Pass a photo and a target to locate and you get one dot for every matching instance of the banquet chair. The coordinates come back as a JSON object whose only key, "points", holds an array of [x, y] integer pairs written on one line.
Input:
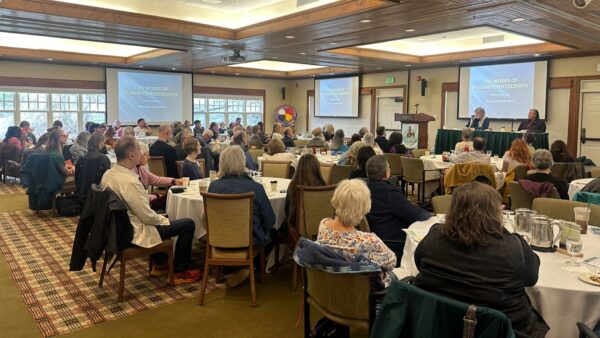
{"points": [[408, 311], [595, 173], [417, 153], [255, 154], [318, 150], [201, 166], [278, 169], [462, 173], [326, 171], [395, 162], [563, 209], [414, 173], [314, 204], [300, 143], [441, 204], [348, 299], [229, 236], [364, 225], [520, 172], [157, 166], [585, 331], [339, 173], [519, 198]]}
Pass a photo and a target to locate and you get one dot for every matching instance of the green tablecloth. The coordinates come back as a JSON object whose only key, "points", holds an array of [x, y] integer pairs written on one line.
{"points": [[496, 141]]}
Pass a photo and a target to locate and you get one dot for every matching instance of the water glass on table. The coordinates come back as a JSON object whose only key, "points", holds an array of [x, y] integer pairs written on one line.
{"points": [[574, 247], [582, 217]]}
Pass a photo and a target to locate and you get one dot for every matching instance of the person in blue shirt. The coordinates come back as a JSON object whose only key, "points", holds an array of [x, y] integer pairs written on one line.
{"points": [[190, 167], [338, 146], [479, 121]]}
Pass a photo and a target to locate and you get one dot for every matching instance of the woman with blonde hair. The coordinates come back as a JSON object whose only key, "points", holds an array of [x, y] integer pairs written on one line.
{"points": [[351, 202], [472, 258], [276, 152], [351, 156], [517, 155]]}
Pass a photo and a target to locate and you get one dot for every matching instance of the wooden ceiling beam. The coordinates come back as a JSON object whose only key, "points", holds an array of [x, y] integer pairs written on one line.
{"points": [[375, 54], [496, 52], [150, 55], [41, 54]]}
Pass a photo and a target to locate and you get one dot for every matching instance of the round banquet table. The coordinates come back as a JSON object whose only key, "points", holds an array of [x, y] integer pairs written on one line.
{"points": [[189, 204], [559, 296], [435, 162], [497, 141], [324, 159], [147, 139], [577, 185]]}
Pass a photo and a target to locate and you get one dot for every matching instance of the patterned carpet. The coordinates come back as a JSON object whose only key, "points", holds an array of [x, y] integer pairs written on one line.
{"points": [[11, 188], [37, 250]]}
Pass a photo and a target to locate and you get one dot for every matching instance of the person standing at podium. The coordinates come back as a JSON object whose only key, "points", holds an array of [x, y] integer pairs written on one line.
{"points": [[533, 122], [479, 121]]}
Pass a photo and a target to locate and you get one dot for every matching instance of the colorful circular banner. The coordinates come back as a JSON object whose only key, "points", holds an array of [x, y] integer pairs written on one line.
{"points": [[285, 114]]}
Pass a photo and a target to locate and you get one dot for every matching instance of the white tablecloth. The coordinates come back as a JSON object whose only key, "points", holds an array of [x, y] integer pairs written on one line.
{"points": [[436, 162], [577, 185], [147, 139], [189, 204], [559, 296], [324, 159]]}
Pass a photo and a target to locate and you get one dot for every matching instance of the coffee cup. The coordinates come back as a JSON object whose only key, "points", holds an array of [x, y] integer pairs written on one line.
{"points": [[273, 186], [186, 181]]}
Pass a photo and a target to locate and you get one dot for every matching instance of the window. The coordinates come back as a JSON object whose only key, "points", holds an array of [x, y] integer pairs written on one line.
{"points": [[41, 107], [226, 108]]}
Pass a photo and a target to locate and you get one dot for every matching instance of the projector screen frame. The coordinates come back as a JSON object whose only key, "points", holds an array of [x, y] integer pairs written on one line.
{"points": [[183, 118], [500, 62], [325, 77]]}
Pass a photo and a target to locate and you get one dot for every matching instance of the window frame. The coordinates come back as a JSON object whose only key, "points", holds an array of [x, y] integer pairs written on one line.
{"points": [[197, 97]]}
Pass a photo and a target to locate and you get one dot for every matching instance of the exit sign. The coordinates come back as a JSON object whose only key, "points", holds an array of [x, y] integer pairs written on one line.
{"points": [[390, 80]]}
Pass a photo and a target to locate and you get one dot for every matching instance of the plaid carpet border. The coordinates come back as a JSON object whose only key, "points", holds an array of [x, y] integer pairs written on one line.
{"points": [[37, 249], [11, 188]]}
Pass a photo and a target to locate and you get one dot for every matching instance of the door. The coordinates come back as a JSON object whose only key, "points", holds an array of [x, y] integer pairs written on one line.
{"points": [[590, 133], [389, 102]]}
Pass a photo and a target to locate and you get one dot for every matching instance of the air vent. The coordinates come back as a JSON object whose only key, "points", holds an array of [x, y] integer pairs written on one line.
{"points": [[492, 39], [567, 29]]}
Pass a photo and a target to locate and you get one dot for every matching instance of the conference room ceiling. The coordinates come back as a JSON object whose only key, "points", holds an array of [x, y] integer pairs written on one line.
{"points": [[328, 35]]}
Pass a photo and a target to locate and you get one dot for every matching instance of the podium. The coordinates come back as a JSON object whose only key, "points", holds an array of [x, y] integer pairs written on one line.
{"points": [[420, 119]]}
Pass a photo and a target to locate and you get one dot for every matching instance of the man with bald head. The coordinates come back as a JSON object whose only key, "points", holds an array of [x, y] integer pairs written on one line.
{"points": [[162, 148]]}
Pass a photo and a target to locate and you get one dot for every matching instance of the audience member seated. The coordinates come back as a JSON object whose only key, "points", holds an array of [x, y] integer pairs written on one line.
{"points": [[328, 132], [222, 129], [117, 127], [517, 155], [149, 228], [529, 138], [157, 201], [533, 122], [79, 148], [369, 140], [381, 141], [396, 145], [362, 131], [337, 145], [351, 202], [288, 138], [234, 180], [350, 157], [198, 129], [13, 136], [560, 152], [241, 140], [190, 167], [142, 127], [56, 141], [277, 131], [276, 152], [127, 131], [472, 258], [161, 148], [90, 167], [466, 144], [183, 135], [308, 173], [354, 138], [27, 132], [318, 140], [391, 211], [176, 133], [477, 155], [255, 140], [542, 162], [363, 155]]}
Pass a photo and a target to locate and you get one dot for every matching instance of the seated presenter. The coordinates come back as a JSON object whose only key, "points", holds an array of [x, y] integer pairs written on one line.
{"points": [[479, 121], [533, 122]]}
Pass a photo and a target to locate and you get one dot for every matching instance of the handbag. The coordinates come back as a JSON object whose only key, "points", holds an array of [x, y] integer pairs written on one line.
{"points": [[68, 206]]}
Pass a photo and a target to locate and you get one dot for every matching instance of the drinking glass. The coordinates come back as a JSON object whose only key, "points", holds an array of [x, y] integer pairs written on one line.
{"points": [[489, 153], [573, 248], [508, 220]]}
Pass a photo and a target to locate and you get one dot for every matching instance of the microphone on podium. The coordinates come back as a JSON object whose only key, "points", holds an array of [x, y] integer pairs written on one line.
{"points": [[417, 108]]}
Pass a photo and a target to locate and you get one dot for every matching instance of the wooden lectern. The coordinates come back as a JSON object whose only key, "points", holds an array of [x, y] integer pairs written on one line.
{"points": [[422, 120]]}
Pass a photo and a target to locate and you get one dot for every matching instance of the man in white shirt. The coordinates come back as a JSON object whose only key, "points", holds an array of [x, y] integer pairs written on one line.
{"points": [[142, 127], [149, 228], [473, 156]]}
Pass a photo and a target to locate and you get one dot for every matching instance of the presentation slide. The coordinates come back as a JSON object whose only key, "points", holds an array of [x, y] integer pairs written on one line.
{"points": [[337, 97], [505, 91], [158, 97]]}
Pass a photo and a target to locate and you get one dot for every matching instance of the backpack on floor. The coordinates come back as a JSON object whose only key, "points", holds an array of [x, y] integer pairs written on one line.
{"points": [[326, 328], [68, 206]]}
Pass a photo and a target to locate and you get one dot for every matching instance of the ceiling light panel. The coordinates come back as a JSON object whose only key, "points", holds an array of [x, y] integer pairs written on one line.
{"points": [[276, 66]]}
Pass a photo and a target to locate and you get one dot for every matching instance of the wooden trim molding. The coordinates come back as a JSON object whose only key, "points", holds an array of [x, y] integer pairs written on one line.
{"points": [[309, 93], [229, 91], [50, 83], [573, 121]]}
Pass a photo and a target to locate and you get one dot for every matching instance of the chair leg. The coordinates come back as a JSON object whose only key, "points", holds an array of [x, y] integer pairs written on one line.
{"points": [[103, 270], [306, 312], [150, 263], [294, 276], [204, 281], [122, 280], [171, 267], [276, 266], [252, 283], [263, 269]]}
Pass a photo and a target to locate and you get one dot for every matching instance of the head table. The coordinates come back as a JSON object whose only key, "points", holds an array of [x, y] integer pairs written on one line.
{"points": [[189, 204], [559, 296]]}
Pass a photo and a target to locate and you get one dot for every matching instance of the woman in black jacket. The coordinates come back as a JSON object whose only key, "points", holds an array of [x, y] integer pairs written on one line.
{"points": [[474, 259]]}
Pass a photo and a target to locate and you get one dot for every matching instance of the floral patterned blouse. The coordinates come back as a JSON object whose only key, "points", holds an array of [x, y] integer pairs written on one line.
{"points": [[359, 243]]}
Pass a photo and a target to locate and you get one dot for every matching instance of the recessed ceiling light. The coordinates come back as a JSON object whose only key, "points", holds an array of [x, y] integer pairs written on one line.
{"points": [[379, 68], [365, 21], [237, 73], [518, 20], [302, 53], [275, 57], [49, 59], [463, 61], [212, 71], [199, 48], [173, 68], [407, 65], [289, 36], [409, 30], [141, 66], [333, 43], [536, 54]]}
